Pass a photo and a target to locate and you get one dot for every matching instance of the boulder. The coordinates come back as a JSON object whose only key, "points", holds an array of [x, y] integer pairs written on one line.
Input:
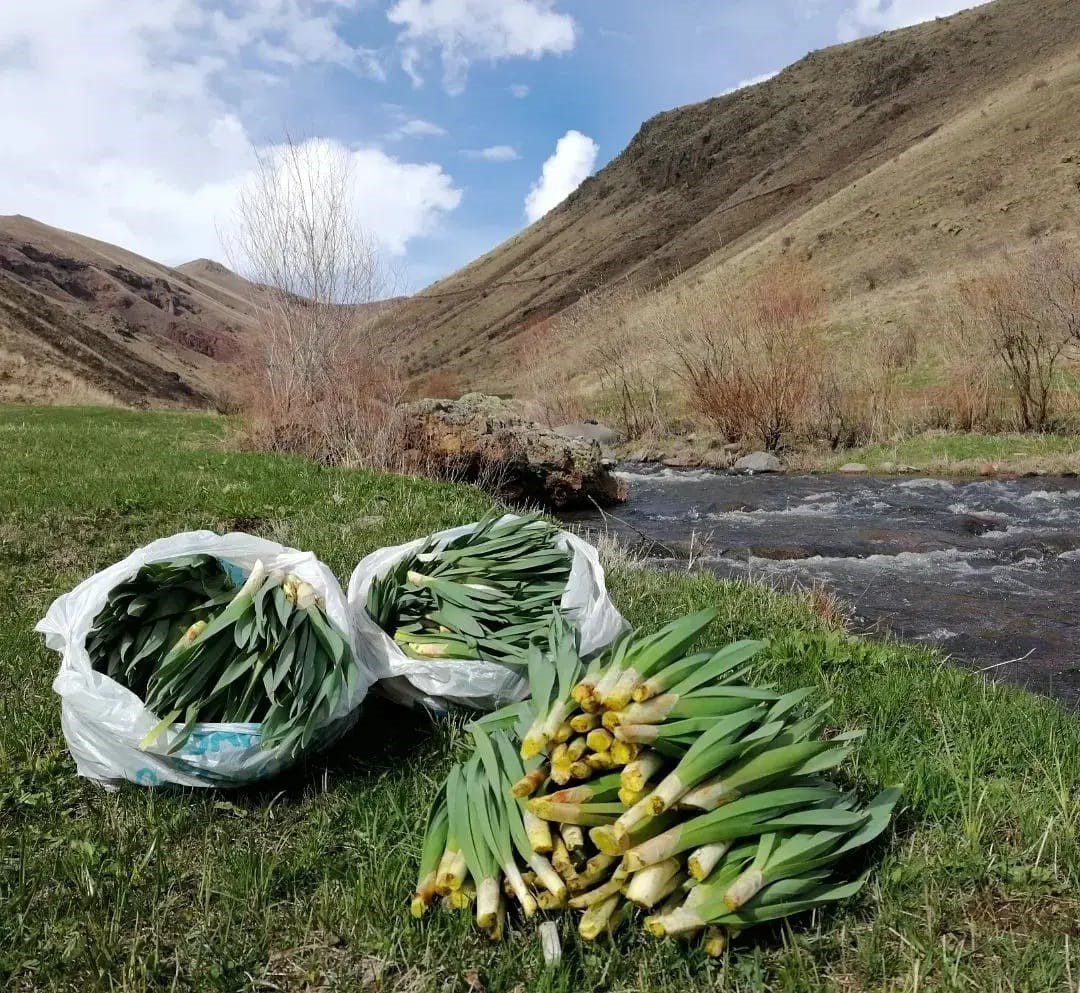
{"points": [[759, 462], [604, 436], [481, 439], [592, 431], [682, 458], [854, 468]]}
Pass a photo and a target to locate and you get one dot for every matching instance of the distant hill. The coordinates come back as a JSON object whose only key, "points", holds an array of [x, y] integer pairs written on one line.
{"points": [[890, 163], [81, 319]]}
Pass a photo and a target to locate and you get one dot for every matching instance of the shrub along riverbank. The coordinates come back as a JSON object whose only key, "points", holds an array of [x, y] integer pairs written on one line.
{"points": [[303, 883]]}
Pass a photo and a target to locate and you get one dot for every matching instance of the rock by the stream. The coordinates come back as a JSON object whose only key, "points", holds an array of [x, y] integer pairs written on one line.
{"points": [[759, 462], [682, 460], [854, 468], [482, 439], [604, 436]]}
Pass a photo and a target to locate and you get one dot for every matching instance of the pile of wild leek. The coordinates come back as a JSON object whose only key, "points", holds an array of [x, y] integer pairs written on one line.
{"points": [[487, 594], [650, 779], [196, 649]]}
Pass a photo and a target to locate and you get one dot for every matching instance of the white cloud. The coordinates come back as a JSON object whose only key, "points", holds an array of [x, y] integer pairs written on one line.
{"points": [[520, 90], [866, 16], [117, 123], [752, 81], [396, 200], [464, 31], [416, 127], [494, 153], [573, 161]]}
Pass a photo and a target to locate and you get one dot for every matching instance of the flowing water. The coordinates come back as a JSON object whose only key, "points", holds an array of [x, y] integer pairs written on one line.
{"points": [[988, 570]]}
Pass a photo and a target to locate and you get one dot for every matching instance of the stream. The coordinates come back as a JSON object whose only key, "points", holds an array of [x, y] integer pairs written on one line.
{"points": [[988, 570]]}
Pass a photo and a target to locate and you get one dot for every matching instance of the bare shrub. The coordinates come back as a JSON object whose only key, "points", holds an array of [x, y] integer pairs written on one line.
{"points": [[319, 380], [1026, 313], [597, 356], [752, 357], [548, 382], [442, 384], [969, 396], [631, 379], [981, 186]]}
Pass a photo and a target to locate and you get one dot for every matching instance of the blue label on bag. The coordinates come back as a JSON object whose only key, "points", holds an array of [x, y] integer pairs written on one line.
{"points": [[236, 575], [212, 742]]}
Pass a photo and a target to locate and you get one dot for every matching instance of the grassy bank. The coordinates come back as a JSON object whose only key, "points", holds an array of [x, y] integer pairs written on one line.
{"points": [[302, 884], [963, 454], [936, 453]]}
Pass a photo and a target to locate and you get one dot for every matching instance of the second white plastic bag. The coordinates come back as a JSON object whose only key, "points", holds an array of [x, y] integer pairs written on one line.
{"points": [[478, 684]]}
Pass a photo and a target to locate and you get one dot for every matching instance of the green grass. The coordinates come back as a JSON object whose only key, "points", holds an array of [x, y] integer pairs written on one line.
{"points": [[302, 883], [966, 453]]}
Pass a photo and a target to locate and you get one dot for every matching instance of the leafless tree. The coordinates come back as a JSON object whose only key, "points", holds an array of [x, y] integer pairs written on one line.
{"points": [[321, 371], [1028, 310]]}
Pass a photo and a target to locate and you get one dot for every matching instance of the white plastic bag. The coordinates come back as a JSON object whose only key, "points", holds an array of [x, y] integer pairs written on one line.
{"points": [[479, 684], [104, 722]]}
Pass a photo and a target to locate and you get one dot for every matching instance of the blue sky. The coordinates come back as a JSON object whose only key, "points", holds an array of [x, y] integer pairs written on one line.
{"points": [[463, 119]]}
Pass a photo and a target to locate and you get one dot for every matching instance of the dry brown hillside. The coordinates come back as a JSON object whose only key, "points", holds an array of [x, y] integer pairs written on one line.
{"points": [[888, 162], [85, 321]]}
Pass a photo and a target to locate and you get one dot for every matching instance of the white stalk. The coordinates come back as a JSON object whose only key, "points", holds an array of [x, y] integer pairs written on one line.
{"points": [[612, 887], [665, 795], [652, 712], [557, 715], [584, 693], [709, 796], [637, 815], [548, 877], [595, 870], [654, 850], [584, 723], [682, 920], [606, 683], [597, 917], [601, 761], [673, 887], [305, 596], [538, 831], [703, 860], [629, 797], [534, 742], [488, 895], [451, 871], [254, 581], [521, 891], [716, 942], [641, 734], [620, 694], [606, 839], [649, 886], [573, 836], [745, 888], [635, 775]]}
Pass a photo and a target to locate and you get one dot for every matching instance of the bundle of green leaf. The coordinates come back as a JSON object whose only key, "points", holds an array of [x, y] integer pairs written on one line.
{"points": [[679, 789], [488, 594], [197, 650]]}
